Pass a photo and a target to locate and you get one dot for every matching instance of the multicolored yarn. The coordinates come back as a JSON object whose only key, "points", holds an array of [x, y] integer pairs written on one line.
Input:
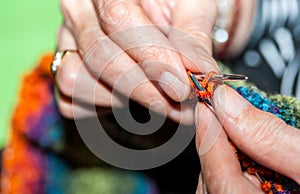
{"points": [[285, 108], [27, 168], [32, 160], [108, 181]]}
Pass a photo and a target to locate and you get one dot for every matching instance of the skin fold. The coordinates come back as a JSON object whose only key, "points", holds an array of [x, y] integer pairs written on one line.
{"points": [[142, 50]]}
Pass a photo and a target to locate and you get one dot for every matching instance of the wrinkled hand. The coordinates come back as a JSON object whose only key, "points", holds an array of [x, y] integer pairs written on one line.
{"points": [[123, 51], [262, 136]]}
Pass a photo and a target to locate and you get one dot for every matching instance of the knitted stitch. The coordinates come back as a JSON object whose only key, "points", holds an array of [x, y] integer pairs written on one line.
{"points": [[284, 110], [32, 161]]}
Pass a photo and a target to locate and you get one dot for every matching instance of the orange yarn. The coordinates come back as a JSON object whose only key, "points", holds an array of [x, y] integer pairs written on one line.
{"points": [[16, 168]]}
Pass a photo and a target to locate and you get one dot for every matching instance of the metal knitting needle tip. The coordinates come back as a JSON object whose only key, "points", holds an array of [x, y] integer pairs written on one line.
{"points": [[196, 82], [207, 101], [234, 77], [199, 87], [261, 179], [224, 77]]}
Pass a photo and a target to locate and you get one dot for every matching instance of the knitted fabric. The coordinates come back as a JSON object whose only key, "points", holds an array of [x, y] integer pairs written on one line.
{"points": [[33, 161], [285, 108]]}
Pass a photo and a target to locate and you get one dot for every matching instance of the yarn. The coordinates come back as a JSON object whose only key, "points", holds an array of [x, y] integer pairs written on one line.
{"points": [[32, 159], [285, 108]]}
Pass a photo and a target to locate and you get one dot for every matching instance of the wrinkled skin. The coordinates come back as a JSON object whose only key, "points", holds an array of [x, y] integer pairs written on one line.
{"points": [[92, 28], [183, 34]]}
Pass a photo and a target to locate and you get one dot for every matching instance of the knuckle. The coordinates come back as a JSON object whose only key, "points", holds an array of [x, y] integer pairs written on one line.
{"points": [[265, 132], [152, 53], [273, 128], [158, 56], [101, 55], [114, 14], [90, 41]]}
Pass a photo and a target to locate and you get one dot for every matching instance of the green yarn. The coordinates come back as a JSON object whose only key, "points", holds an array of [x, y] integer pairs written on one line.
{"points": [[293, 106], [289, 105], [104, 181], [111, 181]]}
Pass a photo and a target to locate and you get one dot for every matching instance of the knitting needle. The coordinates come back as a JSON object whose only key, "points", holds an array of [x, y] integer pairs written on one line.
{"points": [[224, 77], [199, 87]]}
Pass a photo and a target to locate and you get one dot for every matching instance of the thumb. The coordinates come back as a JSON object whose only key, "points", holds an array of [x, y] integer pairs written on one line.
{"points": [[261, 135], [193, 22], [220, 168]]}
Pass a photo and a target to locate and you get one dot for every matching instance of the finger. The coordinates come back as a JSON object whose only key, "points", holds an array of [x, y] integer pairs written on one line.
{"points": [[65, 40], [159, 12], [79, 110], [193, 22], [88, 89], [67, 108], [252, 178], [201, 188], [67, 76], [127, 25], [220, 167], [261, 135], [111, 65]]}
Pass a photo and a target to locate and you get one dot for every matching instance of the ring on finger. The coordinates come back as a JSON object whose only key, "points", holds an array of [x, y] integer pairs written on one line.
{"points": [[58, 57]]}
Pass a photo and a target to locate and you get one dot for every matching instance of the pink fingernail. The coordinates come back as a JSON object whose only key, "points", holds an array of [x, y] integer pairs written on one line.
{"points": [[173, 86], [229, 101]]}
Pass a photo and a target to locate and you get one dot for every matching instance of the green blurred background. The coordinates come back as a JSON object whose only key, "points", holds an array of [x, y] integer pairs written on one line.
{"points": [[28, 29]]}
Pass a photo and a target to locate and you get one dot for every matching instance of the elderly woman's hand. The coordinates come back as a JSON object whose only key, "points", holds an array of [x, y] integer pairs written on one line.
{"points": [[262, 136], [140, 49]]}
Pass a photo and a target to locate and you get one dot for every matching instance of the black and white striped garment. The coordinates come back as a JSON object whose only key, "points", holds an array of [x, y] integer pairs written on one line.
{"points": [[272, 57]]}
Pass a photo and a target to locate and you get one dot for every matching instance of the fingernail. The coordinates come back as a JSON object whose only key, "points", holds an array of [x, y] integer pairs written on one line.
{"points": [[206, 62], [229, 101], [173, 86]]}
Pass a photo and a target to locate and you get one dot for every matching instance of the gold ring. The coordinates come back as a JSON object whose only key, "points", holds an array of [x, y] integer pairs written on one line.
{"points": [[58, 57]]}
